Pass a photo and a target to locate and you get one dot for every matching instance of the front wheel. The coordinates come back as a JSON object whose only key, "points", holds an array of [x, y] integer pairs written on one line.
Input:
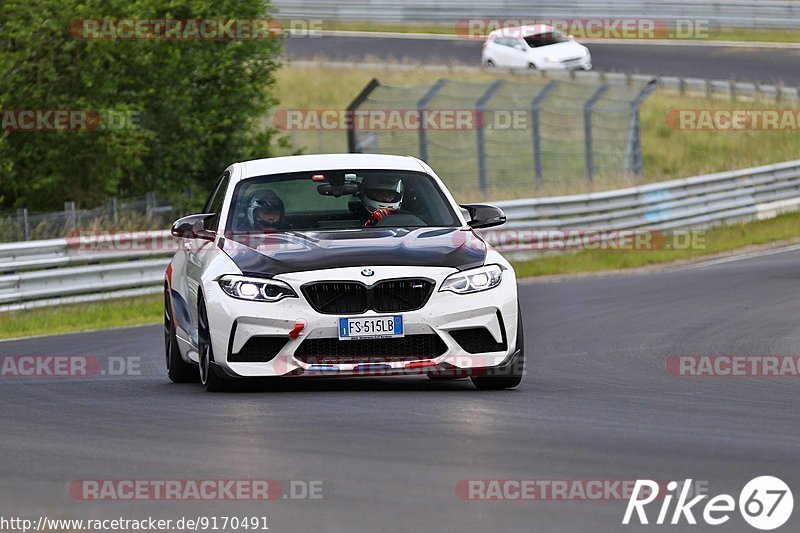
{"points": [[510, 375], [208, 376]]}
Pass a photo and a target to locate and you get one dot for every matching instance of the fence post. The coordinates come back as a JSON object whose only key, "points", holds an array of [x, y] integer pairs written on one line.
{"points": [[351, 109], [587, 129], [536, 105], [483, 181], [114, 210], [69, 215], [633, 157], [421, 106], [24, 223], [150, 204]]}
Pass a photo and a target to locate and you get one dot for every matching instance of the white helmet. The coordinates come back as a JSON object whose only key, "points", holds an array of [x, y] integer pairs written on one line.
{"points": [[379, 192]]}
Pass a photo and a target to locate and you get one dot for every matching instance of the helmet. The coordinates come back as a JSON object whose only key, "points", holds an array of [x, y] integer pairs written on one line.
{"points": [[264, 201], [381, 193]]}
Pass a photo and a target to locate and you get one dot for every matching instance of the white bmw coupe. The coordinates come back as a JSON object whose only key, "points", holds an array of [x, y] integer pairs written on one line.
{"points": [[339, 266]]}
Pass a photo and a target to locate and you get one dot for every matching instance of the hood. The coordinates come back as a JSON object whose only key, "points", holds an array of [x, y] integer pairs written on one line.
{"points": [[280, 253], [563, 51]]}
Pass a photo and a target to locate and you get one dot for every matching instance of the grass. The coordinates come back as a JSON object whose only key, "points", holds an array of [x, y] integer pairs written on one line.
{"points": [[713, 34], [710, 242], [668, 153], [134, 311]]}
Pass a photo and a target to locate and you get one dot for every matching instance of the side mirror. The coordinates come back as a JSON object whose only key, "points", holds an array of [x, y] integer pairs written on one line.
{"points": [[194, 227], [484, 216]]}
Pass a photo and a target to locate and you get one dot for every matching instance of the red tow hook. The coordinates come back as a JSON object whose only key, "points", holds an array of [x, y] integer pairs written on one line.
{"points": [[298, 327]]}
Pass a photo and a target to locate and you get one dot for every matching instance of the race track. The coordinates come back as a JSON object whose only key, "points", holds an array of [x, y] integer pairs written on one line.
{"points": [[765, 65], [597, 403]]}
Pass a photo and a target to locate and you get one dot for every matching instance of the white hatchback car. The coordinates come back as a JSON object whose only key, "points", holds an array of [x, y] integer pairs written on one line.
{"points": [[339, 265], [538, 47]]}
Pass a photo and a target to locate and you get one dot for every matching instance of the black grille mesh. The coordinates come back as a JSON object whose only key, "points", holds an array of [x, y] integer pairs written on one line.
{"points": [[337, 297], [342, 297], [477, 340], [259, 350], [334, 351]]}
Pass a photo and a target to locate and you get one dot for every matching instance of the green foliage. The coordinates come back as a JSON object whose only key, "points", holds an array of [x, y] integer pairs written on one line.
{"points": [[199, 104]]}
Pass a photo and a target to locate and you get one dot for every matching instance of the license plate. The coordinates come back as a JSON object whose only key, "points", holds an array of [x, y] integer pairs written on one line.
{"points": [[374, 327]]}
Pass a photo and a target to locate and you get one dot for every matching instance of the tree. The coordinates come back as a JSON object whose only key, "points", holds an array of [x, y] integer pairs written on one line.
{"points": [[191, 107]]}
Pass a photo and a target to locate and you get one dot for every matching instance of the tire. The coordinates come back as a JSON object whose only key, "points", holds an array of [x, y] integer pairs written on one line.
{"points": [[178, 370], [489, 64], [531, 66], [209, 377], [512, 373]]}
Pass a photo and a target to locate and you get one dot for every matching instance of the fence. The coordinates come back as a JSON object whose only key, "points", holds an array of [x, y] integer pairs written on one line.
{"points": [[100, 268], [145, 212], [520, 135], [726, 13]]}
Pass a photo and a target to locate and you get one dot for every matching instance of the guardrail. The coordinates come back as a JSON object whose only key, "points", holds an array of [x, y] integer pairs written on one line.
{"points": [[543, 224], [727, 13], [95, 267]]}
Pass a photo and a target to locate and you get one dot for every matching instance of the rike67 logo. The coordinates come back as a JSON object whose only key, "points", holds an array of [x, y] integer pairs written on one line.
{"points": [[765, 503]]}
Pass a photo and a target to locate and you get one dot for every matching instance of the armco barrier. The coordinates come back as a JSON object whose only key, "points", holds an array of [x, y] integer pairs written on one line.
{"points": [[40, 273], [726, 13]]}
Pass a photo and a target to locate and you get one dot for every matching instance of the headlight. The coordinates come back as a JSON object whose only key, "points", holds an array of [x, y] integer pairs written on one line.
{"points": [[475, 280], [255, 289], [553, 59], [585, 52]]}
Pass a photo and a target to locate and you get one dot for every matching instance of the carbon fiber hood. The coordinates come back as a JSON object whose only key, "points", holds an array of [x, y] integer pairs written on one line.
{"points": [[279, 253]]}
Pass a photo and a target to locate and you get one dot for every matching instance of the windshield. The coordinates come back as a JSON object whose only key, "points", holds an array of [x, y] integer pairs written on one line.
{"points": [[338, 200], [545, 39]]}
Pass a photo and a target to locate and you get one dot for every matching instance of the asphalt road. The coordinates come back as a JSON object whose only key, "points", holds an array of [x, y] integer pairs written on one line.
{"points": [[710, 62], [597, 403]]}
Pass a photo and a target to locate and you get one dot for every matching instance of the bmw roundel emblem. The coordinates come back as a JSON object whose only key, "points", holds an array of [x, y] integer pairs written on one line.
{"points": [[367, 272]]}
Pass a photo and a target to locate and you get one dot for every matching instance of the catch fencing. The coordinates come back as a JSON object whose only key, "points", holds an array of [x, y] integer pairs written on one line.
{"points": [[146, 212], [724, 13], [520, 136], [43, 273]]}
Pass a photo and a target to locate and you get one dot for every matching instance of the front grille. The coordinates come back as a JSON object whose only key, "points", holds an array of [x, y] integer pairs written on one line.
{"points": [[477, 340], [335, 351], [400, 295], [336, 297], [259, 350], [349, 297]]}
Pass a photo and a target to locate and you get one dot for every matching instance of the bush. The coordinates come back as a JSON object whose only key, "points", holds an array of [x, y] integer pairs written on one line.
{"points": [[199, 103]]}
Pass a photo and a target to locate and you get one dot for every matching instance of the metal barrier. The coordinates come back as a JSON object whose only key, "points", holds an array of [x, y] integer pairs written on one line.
{"points": [[726, 13], [538, 225], [534, 226]]}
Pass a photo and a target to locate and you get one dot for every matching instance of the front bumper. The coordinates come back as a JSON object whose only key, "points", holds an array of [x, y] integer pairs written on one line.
{"points": [[233, 322], [576, 64]]}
